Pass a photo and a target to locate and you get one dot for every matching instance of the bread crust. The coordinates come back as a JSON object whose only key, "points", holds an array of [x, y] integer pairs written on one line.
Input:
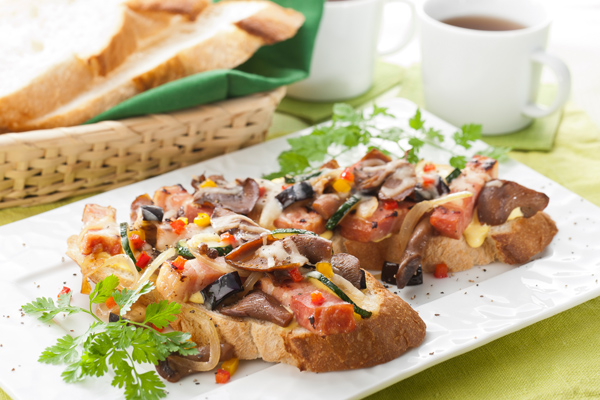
{"points": [[514, 242], [228, 49], [65, 81], [393, 328]]}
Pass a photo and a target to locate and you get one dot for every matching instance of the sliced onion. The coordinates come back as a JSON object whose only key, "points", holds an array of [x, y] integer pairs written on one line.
{"points": [[158, 261], [220, 265], [367, 207], [251, 281], [355, 295], [208, 328], [125, 263], [414, 216]]}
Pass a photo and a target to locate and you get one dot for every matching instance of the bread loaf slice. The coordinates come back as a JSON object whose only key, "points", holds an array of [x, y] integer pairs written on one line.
{"points": [[393, 328], [223, 36], [513, 242], [52, 50]]}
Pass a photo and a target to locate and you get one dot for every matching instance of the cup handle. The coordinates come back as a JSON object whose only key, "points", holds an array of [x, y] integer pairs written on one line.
{"points": [[410, 33], [563, 77]]}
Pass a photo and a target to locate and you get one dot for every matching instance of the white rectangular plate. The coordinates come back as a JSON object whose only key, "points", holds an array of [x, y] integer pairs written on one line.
{"points": [[462, 312]]}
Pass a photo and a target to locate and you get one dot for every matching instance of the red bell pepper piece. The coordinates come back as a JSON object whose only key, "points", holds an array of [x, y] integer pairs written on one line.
{"points": [[441, 271], [222, 376], [143, 260]]}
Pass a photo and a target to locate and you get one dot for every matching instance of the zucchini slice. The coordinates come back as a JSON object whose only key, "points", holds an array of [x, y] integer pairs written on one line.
{"points": [[183, 250], [291, 231], [123, 230], [324, 280], [452, 175], [341, 212]]}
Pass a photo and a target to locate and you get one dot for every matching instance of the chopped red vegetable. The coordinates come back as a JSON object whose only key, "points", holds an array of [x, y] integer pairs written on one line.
{"points": [[428, 167], [261, 191], [179, 263], [317, 298], [296, 275], [390, 204], [143, 260], [65, 290], [228, 238], [136, 241], [222, 376], [441, 271], [428, 182], [347, 175], [110, 303], [156, 329], [178, 225]]}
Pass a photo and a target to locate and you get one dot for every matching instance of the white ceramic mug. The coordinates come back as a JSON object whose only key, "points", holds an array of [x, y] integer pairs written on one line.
{"points": [[487, 77], [345, 50]]}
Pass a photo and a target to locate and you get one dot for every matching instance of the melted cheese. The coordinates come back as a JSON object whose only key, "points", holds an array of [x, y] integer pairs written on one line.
{"points": [[514, 214], [275, 253], [475, 233]]}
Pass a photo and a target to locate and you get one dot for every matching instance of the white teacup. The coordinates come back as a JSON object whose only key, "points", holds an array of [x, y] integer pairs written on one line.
{"points": [[483, 76], [345, 50]]}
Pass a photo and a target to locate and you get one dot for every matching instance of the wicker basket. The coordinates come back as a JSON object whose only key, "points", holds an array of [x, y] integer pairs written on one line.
{"points": [[48, 165]]}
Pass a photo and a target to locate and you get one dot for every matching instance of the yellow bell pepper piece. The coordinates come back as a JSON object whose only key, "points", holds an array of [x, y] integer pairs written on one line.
{"points": [[202, 220], [325, 268], [208, 183], [342, 186], [231, 365]]}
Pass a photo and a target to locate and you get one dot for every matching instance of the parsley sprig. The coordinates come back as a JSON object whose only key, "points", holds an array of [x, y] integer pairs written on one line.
{"points": [[119, 345], [350, 128]]}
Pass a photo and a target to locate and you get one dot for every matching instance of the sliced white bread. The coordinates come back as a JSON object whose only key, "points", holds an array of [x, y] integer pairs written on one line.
{"points": [[52, 50], [223, 36]]}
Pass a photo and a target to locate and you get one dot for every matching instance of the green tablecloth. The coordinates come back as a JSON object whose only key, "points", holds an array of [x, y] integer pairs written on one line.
{"points": [[557, 358]]}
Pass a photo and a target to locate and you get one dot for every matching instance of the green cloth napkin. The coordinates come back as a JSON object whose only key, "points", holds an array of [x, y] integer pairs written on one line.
{"points": [[271, 67], [386, 77]]}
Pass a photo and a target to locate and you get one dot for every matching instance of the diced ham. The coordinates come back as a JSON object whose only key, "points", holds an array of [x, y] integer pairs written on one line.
{"points": [[327, 204], [178, 286], [166, 237], [332, 316], [171, 199], [382, 223], [451, 219], [299, 217], [100, 231]]}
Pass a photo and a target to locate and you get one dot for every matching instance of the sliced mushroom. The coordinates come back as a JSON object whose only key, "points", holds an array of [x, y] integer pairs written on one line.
{"points": [[171, 370], [348, 267], [270, 254], [240, 226], [401, 183], [262, 306], [499, 198], [238, 197], [411, 259]]}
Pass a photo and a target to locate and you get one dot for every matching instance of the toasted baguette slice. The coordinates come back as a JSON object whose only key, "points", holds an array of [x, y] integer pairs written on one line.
{"points": [[513, 242], [52, 50], [393, 328], [223, 36]]}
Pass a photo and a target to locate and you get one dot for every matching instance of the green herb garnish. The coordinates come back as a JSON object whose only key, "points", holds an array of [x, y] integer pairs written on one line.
{"points": [[118, 345], [350, 128]]}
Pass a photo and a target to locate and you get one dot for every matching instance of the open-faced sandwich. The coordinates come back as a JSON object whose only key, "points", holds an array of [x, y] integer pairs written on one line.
{"points": [[279, 268], [245, 291], [404, 218]]}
